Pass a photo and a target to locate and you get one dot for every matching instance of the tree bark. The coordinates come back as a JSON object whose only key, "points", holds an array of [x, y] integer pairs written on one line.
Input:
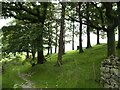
{"points": [[88, 29], [80, 31], [60, 53], [63, 42], [27, 54], [51, 50], [80, 38], [88, 37], [40, 50], [40, 57], [118, 45], [56, 44], [48, 41], [98, 37], [73, 37], [111, 41], [33, 55]]}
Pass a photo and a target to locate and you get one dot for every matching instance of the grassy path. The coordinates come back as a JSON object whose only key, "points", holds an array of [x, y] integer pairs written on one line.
{"points": [[29, 84]]}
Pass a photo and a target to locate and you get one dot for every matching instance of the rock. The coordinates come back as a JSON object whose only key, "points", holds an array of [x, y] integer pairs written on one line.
{"points": [[115, 71], [107, 70], [110, 68], [102, 69], [107, 85], [102, 78], [107, 76]]}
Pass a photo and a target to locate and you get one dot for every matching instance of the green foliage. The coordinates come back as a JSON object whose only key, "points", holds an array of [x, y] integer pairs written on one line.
{"points": [[16, 86]]}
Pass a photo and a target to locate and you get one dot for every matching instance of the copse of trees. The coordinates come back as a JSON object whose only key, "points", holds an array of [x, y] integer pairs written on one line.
{"points": [[38, 25]]}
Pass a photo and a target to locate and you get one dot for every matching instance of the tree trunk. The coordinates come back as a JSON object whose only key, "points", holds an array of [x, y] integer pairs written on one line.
{"points": [[40, 50], [73, 37], [27, 54], [80, 31], [88, 29], [40, 57], [59, 61], [88, 37], [118, 45], [48, 51], [48, 40], [111, 41], [56, 41], [80, 38], [33, 55], [98, 37], [63, 42], [51, 50], [55, 49]]}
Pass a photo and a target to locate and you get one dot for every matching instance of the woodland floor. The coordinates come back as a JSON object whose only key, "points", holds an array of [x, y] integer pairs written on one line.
{"points": [[76, 71]]}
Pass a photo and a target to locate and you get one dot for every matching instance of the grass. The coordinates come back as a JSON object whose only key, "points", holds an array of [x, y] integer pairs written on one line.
{"points": [[76, 71]]}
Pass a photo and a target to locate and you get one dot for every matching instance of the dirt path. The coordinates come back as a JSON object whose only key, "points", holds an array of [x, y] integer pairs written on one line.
{"points": [[28, 84]]}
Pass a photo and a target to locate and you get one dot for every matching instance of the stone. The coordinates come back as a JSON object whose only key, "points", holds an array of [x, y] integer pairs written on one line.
{"points": [[102, 69], [107, 75], [107, 85], [107, 70], [115, 86], [110, 72], [102, 78], [115, 71], [101, 73]]}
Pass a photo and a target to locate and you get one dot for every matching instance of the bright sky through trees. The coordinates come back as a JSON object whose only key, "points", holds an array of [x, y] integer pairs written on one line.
{"points": [[4, 22]]}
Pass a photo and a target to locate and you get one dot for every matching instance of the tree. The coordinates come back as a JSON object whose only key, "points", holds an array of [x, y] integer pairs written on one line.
{"points": [[118, 45], [88, 27], [73, 37], [98, 37], [80, 29], [30, 12], [60, 52], [104, 17]]}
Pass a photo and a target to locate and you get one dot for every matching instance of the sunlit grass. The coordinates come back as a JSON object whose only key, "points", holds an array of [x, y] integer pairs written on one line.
{"points": [[76, 70]]}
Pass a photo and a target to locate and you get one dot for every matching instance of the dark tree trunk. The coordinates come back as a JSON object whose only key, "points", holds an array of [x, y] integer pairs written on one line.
{"points": [[48, 41], [118, 45], [88, 29], [56, 41], [80, 31], [73, 37], [40, 57], [27, 54], [98, 37], [55, 49], [40, 50], [111, 41], [51, 50], [63, 42], [48, 51], [33, 55], [80, 38], [88, 37], [60, 53]]}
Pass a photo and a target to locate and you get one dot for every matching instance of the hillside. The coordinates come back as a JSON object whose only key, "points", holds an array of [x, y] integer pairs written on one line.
{"points": [[75, 72]]}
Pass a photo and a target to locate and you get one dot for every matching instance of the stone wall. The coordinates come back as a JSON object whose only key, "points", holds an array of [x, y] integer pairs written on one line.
{"points": [[110, 72]]}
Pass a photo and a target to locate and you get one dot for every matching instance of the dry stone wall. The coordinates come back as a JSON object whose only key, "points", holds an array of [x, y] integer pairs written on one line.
{"points": [[110, 72]]}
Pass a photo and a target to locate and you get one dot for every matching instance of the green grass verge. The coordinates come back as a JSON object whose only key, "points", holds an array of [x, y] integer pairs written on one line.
{"points": [[76, 71]]}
